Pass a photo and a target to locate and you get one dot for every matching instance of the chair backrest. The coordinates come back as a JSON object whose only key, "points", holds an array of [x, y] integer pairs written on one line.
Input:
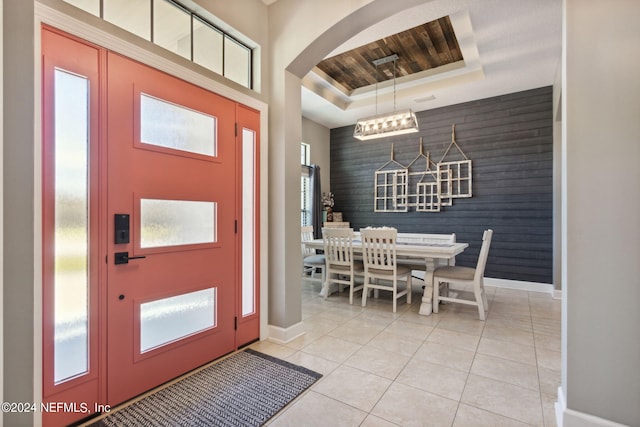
{"points": [[338, 246], [379, 248], [306, 235], [484, 253]]}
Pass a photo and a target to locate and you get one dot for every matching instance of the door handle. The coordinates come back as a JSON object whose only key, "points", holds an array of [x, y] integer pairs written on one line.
{"points": [[123, 257]]}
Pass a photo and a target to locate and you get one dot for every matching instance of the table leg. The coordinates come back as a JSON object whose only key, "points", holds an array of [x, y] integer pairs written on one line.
{"points": [[426, 307], [427, 297]]}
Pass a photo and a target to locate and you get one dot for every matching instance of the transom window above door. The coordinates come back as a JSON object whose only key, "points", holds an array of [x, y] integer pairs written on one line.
{"points": [[179, 30]]}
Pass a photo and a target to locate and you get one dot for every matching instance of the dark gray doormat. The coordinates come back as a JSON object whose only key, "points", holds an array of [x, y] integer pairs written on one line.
{"points": [[246, 389]]}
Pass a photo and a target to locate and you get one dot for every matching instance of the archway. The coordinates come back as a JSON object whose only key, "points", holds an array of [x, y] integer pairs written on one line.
{"points": [[294, 51]]}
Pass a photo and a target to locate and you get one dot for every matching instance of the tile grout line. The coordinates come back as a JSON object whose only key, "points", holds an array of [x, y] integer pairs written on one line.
{"points": [[475, 354]]}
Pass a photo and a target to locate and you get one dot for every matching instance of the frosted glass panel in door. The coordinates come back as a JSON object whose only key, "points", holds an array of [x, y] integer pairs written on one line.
{"points": [[248, 222], [170, 319], [173, 126], [176, 222], [71, 235]]}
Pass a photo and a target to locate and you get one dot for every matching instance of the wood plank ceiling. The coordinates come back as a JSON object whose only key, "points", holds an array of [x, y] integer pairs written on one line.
{"points": [[421, 48]]}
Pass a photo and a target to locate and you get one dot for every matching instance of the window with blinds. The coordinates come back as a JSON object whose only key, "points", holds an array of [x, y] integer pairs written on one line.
{"points": [[305, 185]]}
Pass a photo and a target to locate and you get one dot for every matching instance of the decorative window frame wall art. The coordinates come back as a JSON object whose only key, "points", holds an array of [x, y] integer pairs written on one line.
{"points": [[391, 187], [434, 186], [461, 182]]}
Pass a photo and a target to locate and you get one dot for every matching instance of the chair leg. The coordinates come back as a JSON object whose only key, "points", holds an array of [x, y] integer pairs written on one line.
{"points": [[351, 285], [395, 295], [481, 312], [365, 291], [409, 283], [480, 300], [484, 297]]}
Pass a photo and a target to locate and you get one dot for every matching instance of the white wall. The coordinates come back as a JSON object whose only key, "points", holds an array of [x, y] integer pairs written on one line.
{"points": [[601, 115], [557, 182], [18, 208], [318, 138]]}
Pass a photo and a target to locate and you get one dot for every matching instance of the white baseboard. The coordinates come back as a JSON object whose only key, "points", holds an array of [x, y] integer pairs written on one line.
{"points": [[560, 407], [520, 285], [281, 335], [569, 418]]}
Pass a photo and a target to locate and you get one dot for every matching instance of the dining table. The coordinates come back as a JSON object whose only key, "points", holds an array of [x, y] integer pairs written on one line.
{"points": [[415, 249]]}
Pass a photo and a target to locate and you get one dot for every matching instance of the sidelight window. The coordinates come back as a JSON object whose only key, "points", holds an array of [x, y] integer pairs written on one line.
{"points": [[248, 222], [71, 232]]}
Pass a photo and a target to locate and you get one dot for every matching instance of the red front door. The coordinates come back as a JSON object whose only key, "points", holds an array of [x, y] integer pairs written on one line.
{"points": [[150, 227], [171, 181]]}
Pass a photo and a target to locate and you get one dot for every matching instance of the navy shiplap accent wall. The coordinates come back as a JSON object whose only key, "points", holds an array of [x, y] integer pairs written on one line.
{"points": [[509, 139]]}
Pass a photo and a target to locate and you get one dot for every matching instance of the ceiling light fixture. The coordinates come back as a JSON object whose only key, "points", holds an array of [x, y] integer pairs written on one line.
{"points": [[380, 125]]}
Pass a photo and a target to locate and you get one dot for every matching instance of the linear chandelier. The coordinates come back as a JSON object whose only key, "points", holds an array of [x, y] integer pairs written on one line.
{"points": [[381, 125]]}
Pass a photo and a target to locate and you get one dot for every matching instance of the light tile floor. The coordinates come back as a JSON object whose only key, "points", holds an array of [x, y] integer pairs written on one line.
{"points": [[447, 369]]}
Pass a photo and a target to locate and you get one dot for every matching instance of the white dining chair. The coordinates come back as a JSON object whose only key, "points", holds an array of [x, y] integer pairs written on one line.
{"points": [[465, 276], [381, 271], [341, 268], [311, 261]]}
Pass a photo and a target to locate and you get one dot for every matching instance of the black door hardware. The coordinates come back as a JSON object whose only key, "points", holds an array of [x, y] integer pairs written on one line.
{"points": [[123, 257]]}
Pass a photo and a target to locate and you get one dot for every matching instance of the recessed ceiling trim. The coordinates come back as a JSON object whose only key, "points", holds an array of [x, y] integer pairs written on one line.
{"points": [[320, 75], [437, 73], [507, 47], [424, 86], [327, 92], [408, 87]]}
